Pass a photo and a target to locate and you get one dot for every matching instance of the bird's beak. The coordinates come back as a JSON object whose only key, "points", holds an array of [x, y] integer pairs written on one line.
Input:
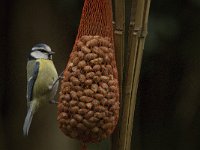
{"points": [[51, 52]]}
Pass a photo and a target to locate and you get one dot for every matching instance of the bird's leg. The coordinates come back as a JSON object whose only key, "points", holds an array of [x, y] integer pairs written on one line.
{"points": [[59, 77], [52, 86], [53, 101], [54, 83]]}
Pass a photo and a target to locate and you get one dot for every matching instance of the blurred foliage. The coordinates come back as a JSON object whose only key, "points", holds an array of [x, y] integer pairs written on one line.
{"points": [[167, 112]]}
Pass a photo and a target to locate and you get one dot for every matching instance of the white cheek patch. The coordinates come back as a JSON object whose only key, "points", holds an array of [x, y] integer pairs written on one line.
{"points": [[38, 54]]}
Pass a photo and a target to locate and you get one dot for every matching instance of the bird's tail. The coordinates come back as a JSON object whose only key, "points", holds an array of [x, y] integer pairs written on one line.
{"points": [[28, 121]]}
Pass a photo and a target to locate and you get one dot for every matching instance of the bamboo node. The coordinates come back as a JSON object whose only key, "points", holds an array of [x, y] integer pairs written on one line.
{"points": [[119, 32], [140, 32]]}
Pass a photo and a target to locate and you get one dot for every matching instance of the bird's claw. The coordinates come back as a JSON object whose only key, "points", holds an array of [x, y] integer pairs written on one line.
{"points": [[54, 83], [53, 102]]}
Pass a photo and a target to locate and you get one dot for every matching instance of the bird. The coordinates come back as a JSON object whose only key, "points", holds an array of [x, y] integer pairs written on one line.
{"points": [[42, 81]]}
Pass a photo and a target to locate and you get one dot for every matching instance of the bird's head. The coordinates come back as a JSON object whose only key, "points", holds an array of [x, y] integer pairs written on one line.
{"points": [[41, 51]]}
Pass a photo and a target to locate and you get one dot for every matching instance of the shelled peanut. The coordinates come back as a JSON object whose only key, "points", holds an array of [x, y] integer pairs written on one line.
{"points": [[88, 107]]}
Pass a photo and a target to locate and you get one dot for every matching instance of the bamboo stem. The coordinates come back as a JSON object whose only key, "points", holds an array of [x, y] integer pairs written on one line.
{"points": [[119, 29], [136, 45]]}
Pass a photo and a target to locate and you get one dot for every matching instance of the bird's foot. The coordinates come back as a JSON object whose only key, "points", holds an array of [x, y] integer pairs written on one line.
{"points": [[53, 102], [54, 83]]}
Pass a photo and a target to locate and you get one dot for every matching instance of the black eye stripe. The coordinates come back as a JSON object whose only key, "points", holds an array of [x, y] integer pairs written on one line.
{"points": [[43, 51]]}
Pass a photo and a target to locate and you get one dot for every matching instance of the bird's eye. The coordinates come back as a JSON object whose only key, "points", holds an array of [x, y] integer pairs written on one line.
{"points": [[50, 56], [43, 51]]}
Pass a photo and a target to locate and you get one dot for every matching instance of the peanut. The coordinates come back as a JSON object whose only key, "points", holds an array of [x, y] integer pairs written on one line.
{"points": [[82, 111], [75, 61], [78, 117], [104, 101], [74, 109], [89, 114], [89, 105], [86, 38], [104, 42], [111, 56], [99, 115], [98, 96], [95, 49], [74, 80], [104, 49], [81, 126], [111, 101], [79, 93], [98, 73], [73, 103], [73, 122], [104, 78], [86, 99], [112, 82], [104, 85], [102, 91], [79, 44], [69, 127], [73, 95], [110, 95], [81, 64], [94, 87], [60, 106], [93, 119], [106, 59], [90, 56], [88, 92], [113, 88], [67, 97], [111, 50], [64, 115], [88, 82], [90, 75], [77, 88], [80, 54], [100, 108], [87, 68], [96, 78], [87, 123], [81, 104], [97, 61], [69, 66], [96, 37], [85, 49], [92, 43], [81, 77], [95, 130], [95, 102], [96, 67]]}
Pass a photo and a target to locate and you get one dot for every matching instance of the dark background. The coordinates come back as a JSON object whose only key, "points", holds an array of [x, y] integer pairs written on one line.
{"points": [[168, 106]]}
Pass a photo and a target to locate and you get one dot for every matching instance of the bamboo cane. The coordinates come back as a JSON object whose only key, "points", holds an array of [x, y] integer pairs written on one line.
{"points": [[136, 45], [119, 28]]}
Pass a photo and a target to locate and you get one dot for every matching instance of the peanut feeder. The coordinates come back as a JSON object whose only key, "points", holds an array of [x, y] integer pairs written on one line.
{"points": [[88, 107]]}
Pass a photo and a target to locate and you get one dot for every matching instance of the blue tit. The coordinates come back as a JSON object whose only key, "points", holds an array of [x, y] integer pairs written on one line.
{"points": [[42, 80]]}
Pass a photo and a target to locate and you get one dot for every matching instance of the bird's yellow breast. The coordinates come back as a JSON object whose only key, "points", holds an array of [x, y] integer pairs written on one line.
{"points": [[46, 76]]}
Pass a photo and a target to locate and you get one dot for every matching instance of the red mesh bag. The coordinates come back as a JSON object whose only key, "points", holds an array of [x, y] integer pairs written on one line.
{"points": [[88, 105], [96, 19]]}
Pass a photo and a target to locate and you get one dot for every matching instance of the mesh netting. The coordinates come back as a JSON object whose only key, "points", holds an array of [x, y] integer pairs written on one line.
{"points": [[88, 106], [96, 19]]}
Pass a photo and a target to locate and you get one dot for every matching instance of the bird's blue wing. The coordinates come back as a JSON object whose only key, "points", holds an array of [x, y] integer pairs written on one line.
{"points": [[31, 81]]}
